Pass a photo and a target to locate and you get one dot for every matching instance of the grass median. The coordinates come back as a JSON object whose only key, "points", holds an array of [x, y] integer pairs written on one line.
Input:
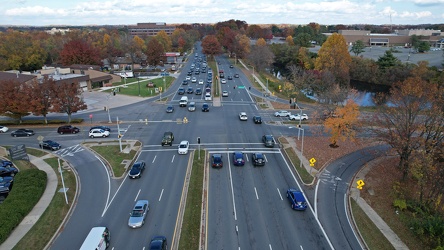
{"points": [[189, 238]]}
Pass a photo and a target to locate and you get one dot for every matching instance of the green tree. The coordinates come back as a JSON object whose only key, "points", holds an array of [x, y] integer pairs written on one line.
{"points": [[303, 40], [334, 57], [423, 46], [388, 60], [358, 47]]}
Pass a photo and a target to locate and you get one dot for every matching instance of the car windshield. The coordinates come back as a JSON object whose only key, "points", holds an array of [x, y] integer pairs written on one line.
{"points": [[183, 146], [137, 213]]}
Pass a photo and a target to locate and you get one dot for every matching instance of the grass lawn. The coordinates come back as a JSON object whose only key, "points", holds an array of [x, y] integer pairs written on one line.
{"points": [[42, 232], [133, 89], [189, 238], [371, 234], [115, 158]]}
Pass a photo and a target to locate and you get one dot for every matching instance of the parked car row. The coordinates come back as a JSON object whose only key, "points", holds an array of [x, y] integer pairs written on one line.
{"points": [[7, 173]]}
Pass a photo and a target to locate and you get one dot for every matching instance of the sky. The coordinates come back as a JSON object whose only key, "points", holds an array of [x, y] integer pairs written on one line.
{"points": [[125, 12]]}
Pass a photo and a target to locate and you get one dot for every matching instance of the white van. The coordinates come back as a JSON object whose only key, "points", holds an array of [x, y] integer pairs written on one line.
{"points": [[97, 239], [192, 106], [208, 97], [183, 101]]}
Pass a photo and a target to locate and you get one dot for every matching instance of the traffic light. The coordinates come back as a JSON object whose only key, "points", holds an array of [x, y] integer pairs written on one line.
{"points": [[198, 140]]}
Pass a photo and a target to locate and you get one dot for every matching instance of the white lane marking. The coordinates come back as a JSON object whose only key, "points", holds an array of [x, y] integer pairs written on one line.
{"points": [[255, 191], [109, 185], [232, 191], [135, 199], [280, 195], [308, 203], [269, 246], [246, 156], [172, 160], [154, 159], [265, 158], [161, 193], [301, 247]]}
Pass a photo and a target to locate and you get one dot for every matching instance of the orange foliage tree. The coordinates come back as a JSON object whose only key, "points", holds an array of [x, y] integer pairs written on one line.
{"points": [[334, 57], [342, 126]]}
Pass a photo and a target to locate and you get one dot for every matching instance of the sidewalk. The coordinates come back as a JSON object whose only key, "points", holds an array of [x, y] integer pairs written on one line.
{"points": [[29, 221], [355, 194]]}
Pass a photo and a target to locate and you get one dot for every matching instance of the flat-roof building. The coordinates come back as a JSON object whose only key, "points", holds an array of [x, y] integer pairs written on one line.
{"points": [[150, 29]]}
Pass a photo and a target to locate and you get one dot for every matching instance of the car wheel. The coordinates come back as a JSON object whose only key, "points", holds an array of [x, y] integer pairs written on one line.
{"points": [[287, 194], [292, 206], [15, 135], [103, 136], [91, 136], [61, 132], [28, 135]]}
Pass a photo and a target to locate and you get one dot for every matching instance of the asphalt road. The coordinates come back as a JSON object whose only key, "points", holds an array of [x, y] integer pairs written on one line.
{"points": [[247, 206], [332, 196]]}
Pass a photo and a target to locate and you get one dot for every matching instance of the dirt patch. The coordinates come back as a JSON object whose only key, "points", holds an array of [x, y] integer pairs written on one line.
{"points": [[382, 179], [318, 147]]}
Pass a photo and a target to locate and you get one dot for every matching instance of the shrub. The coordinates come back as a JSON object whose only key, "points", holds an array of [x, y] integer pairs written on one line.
{"points": [[400, 204], [29, 186]]}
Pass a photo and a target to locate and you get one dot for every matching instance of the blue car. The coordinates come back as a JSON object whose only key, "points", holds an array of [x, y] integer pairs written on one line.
{"points": [[5, 184], [238, 159], [297, 199]]}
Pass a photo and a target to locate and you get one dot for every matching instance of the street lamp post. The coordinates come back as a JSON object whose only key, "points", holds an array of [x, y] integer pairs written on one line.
{"points": [[267, 87]]}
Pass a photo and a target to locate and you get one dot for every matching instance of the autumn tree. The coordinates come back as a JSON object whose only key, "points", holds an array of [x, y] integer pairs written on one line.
{"points": [[261, 42], [20, 51], [261, 57], [163, 38], [78, 51], [211, 46], [357, 48], [243, 47], [14, 99], [334, 57], [227, 38], [343, 125], [411, 117], [42, 95], [68, 99], [289, 40], [154, 52]]}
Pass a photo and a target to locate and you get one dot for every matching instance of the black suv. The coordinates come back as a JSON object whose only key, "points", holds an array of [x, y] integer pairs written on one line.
{"points": [[68, 129], [258, 159], [51, 145], [168, 138]]}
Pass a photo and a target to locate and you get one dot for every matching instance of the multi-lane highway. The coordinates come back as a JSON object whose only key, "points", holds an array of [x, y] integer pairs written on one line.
{"points": [[247, 206]]}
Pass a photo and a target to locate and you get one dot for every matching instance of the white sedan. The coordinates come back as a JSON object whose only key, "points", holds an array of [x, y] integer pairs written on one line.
{"points": [[243, 116], [298, 117], [224, 93], [3, 129], [201, 81], [281, 113], [223, 81], [98, 133], [183, 147]]}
